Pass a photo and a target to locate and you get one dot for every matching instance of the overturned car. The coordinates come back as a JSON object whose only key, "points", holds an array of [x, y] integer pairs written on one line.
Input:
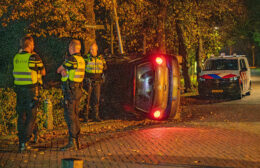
{"points": [[144, 84]]}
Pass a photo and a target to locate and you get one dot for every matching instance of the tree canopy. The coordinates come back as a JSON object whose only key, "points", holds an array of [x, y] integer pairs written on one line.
{"points": [[61, 18], [194, 29]]}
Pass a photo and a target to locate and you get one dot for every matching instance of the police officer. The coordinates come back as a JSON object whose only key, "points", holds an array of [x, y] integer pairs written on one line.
{"points": [[27, 73], [95, 65], [72, 71]]}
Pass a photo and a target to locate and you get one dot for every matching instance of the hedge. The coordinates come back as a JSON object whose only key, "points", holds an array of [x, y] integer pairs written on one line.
{"points": [[8, 116]]}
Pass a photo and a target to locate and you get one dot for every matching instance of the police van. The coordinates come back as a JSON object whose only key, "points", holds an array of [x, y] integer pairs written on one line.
{"points": [[225, 75]]}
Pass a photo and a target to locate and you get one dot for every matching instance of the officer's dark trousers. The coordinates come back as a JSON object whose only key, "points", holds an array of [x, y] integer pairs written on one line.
{"points": [[93, 88], [71, 110], [26, 108]]}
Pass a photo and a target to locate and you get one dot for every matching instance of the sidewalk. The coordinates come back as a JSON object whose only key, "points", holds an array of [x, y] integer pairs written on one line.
{"points": [[167, 144]]}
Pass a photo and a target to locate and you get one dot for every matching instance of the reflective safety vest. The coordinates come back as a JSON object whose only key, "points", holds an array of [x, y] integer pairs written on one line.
{"points": [[23, 75], [76, 75], [94, 64]]}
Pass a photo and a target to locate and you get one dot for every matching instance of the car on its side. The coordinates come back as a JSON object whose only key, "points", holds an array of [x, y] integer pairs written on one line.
{"points": [[146, 84]]}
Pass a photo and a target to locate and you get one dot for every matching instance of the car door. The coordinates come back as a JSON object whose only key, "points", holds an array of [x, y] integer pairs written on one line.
{"points": [[248, 75], [243, 74]]}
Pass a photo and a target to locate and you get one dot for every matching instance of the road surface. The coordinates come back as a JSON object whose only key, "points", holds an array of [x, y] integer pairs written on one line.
{"points": [[220, 134]]}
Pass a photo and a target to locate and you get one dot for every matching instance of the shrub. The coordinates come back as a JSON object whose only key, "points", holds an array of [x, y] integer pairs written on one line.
{"points": [[8, 116], [7, 111]]}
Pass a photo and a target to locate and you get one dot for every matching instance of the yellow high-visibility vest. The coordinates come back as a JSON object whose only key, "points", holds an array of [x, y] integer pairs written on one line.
{"points": [[94, 64], [76, 75], [23, 75]]}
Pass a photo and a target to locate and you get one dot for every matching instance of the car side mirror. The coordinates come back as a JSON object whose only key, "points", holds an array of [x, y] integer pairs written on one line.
{"points": [[199, 70], [244, 69]]}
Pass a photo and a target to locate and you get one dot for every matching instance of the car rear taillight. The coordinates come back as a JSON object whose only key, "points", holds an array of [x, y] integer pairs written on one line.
{"points": [[159, 60], [157, 114]]}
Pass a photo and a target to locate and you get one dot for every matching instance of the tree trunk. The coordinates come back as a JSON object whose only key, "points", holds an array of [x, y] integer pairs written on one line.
{"points": [[183, 53], [199, 51], [144, 43], [199, 54], [89, 8], [161, 19]]}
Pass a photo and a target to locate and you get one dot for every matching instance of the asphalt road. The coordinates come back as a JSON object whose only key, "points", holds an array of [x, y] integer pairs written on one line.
{"points": [[254, 98], [241, 114]]}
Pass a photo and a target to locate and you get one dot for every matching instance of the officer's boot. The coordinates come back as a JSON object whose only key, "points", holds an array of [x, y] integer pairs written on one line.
{"points": [[86, 119], [78, 143], [72, 145], [97, 118], [35, 133], [22, 147]]}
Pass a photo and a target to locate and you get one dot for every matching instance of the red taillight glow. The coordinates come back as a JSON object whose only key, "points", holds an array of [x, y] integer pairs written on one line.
{"points": [[159, 60], [157, 114]]}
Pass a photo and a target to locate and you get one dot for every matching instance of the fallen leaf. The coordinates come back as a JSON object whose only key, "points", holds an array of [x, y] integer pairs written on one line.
{"points": [[134, 150], [160, 154]]}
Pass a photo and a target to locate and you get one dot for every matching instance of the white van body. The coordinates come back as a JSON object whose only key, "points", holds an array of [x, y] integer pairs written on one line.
{"points": [[228, 75]]}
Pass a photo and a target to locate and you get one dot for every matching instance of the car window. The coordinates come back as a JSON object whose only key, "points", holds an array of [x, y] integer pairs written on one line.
{"points": [[144, 86], [242, 64], [221, 64]]}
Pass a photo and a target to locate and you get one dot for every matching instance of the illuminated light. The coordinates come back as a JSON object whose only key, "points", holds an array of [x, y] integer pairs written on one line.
{"points": [[157, 114], [159, 60]]}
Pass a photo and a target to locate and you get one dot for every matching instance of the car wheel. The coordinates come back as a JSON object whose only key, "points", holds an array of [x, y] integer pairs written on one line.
{"points": [[249, 90], [239, 94]]}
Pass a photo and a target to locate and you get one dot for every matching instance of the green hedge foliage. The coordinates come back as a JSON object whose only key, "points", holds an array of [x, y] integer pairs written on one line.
{"points": [[8, 116]]}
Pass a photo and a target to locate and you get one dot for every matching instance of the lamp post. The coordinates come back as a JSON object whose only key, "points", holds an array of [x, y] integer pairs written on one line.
{"points": [[117, 28], [253, 54]]}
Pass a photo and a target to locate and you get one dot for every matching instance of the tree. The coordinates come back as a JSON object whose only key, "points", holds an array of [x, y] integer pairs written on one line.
{"points": [[60, 18], [244, 37], [186, 27], [191, 28]]}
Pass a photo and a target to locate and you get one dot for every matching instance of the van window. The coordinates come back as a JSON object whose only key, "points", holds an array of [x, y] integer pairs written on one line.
{"points": [[221, 64], [242, 64]]}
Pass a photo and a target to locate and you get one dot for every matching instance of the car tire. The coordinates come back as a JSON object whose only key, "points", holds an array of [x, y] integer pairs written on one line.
{"points": [[240, 93], [249, 90]]}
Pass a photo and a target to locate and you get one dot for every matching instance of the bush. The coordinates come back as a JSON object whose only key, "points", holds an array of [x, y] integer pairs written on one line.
{"points": [[8, 116], [7, 111]]}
